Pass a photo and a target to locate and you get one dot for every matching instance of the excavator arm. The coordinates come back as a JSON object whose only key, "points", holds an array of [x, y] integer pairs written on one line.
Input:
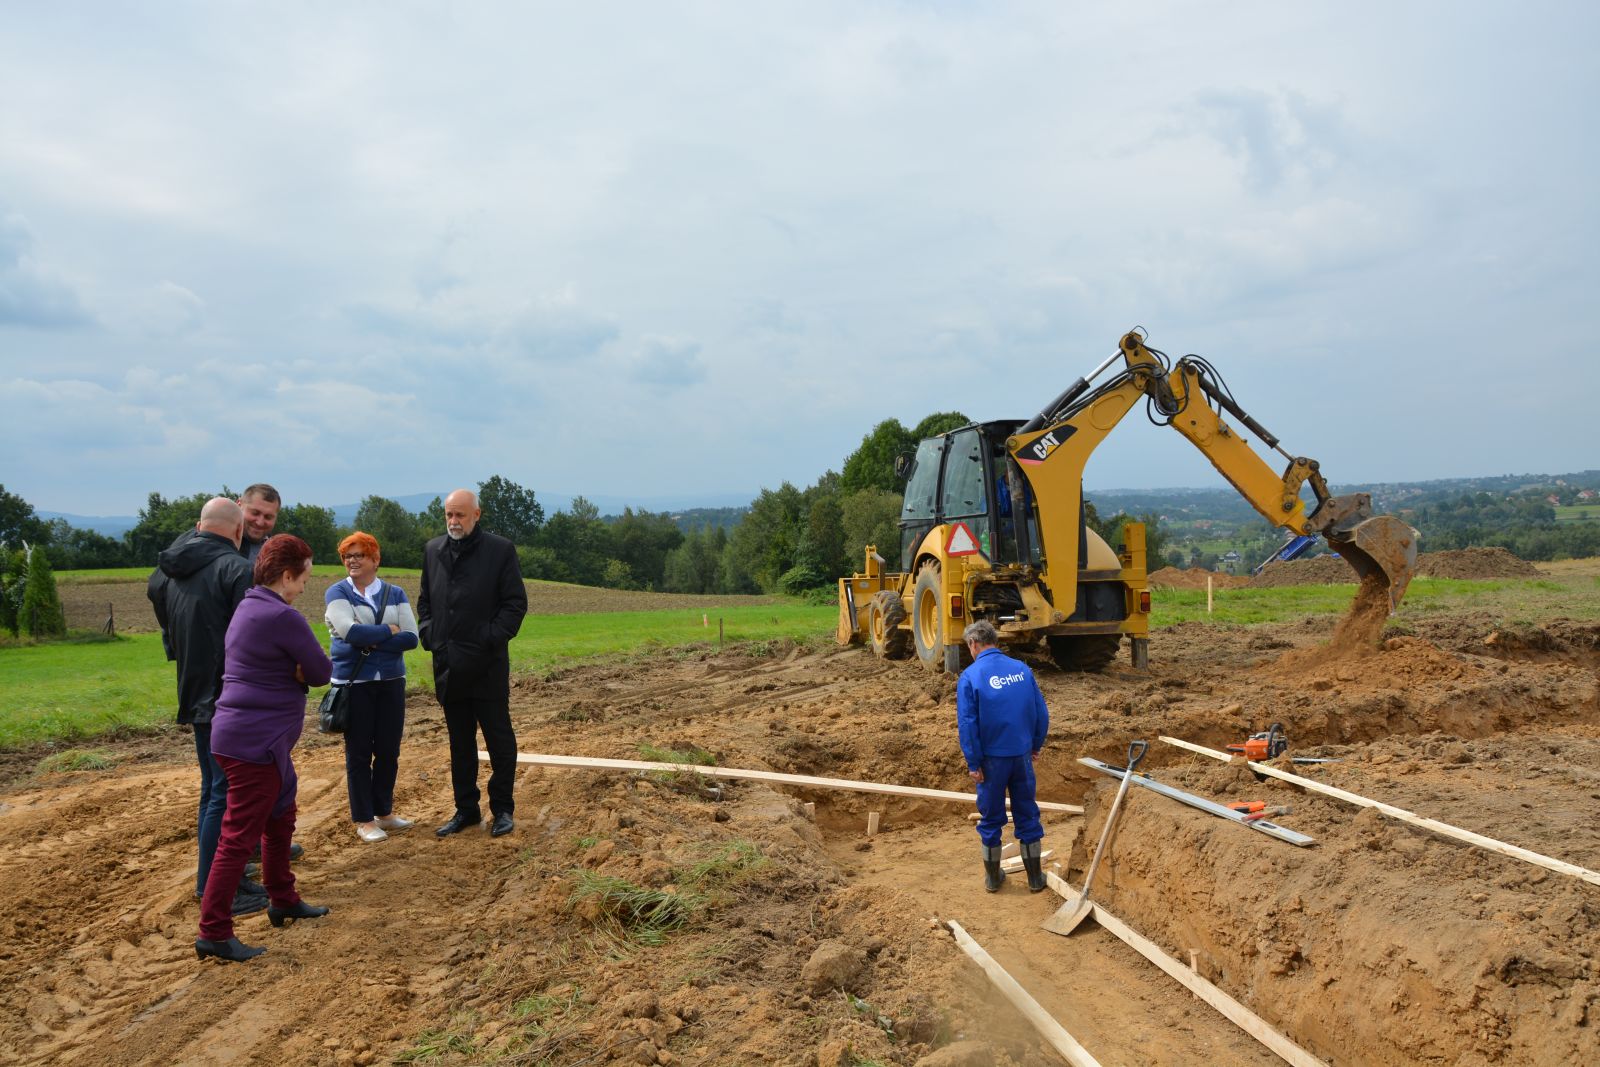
{"points": [[1053, 448]]}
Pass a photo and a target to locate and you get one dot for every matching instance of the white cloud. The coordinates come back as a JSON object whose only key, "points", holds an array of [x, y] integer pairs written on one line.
{"points": [[510, 226]]}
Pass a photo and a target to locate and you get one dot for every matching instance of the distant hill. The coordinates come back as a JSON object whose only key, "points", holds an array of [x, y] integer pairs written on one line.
{"points": [[690, 512]]}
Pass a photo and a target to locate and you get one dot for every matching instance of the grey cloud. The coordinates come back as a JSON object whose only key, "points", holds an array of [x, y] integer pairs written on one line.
{"points": [[667, 362], [558, 330], [28, 295], [411, 324], [1279, 137]]}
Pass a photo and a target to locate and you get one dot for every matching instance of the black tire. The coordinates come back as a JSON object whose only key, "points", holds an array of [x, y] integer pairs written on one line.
{"points": [[927, 618], [1086, 652], [889, 639]]}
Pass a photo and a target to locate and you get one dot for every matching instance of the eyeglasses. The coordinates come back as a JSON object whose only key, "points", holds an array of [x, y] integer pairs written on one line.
{"points": [[349, 556]]}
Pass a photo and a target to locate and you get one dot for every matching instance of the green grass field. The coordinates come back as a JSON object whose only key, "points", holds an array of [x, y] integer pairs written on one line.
{"points": [[1578, 513], [74, 690]]}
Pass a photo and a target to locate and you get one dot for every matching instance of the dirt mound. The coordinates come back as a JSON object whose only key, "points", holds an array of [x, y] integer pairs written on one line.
{"points": [[1474, 563], [1318, 570], [1194, 578]]}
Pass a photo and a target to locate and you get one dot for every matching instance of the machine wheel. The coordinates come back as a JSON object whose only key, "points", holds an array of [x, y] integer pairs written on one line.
{"points": [[927, 618], [890, 640], [1085, 652]]}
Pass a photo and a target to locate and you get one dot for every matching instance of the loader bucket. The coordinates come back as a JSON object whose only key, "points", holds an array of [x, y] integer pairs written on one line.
{"points": [[849, 631], [1383, 544]]}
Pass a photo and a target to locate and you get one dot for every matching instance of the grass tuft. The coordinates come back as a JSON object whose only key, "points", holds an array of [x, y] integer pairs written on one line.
{"points": [[646, 915], [76, 759]]}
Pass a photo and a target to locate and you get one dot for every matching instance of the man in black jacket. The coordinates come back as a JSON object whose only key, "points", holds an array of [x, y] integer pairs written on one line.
{"points": [[470, 607], [194, 589]]}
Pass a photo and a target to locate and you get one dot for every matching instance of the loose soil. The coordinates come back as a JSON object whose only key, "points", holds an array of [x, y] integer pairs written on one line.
{"points": [[1382, 944], [1195, 578]]}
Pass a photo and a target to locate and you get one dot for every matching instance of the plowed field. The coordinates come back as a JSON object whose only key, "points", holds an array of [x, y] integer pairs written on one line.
{"points": [[1381, 944]]}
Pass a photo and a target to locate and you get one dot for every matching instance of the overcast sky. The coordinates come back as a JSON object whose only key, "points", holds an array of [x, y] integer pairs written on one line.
{"points": [[685, 250]]}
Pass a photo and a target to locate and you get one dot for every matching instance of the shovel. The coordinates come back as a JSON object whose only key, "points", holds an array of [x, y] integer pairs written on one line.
{"points": [[1073, 912]]}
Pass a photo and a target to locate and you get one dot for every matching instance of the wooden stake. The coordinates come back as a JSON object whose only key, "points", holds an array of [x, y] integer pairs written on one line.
{"points": [[811, 810], [1194, 960], [1053, 1032], [1444, 829], [872, 824], [719, 634], [1237, 1013], [1208, 594], [599, 764]]}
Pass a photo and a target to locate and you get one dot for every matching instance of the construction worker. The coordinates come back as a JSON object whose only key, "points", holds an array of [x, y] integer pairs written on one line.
{"points": [[1002, 719]]}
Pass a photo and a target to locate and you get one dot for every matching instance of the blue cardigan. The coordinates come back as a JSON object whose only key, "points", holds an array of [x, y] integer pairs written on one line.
{"points": [[352, 628]]}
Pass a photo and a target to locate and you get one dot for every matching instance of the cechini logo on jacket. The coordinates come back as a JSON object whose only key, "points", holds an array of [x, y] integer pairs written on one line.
{"points": [[1000, 681]]}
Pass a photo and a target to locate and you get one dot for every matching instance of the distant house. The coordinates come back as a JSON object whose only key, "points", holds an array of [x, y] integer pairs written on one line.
{"points": [[1553, 500], [1587, 494]]}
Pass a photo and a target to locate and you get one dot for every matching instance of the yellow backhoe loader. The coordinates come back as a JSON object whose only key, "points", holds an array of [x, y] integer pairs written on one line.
{"points": [[992, 525]]}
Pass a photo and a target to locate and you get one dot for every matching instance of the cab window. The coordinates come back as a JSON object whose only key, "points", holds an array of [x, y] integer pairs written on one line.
{"points": [[964, 490], [922, 488]]}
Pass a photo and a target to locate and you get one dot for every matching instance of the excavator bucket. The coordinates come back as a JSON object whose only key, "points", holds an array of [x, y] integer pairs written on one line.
{"points": [[1380, 543]]}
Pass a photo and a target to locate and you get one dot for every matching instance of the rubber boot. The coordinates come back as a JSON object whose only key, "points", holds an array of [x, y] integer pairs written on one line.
{"points": [[993, 876], [1034, 862]]}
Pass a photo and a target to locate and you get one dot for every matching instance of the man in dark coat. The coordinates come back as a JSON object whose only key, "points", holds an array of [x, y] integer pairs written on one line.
{"points": [[470, 607], [194, 589]]}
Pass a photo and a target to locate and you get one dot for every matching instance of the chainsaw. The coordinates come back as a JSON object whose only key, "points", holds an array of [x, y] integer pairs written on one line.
{"points": [[1269, 745]]}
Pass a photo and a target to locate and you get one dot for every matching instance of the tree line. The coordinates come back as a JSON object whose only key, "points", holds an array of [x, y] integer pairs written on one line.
{"points": [[789, 540]]}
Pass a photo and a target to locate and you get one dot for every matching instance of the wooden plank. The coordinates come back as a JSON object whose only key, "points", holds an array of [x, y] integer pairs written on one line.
{"points": [[1235, 1012], [1444, 829], [1053, 1032], [597, 763]]}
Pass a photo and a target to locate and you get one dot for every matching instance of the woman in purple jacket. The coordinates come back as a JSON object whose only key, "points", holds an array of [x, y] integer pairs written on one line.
{"points": [[270, 658]]}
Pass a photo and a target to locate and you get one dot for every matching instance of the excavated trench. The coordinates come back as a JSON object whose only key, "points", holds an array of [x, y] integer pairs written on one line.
{"points": [[1382, 944]]}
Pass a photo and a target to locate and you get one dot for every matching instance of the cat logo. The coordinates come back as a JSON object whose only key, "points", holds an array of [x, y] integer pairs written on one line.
{"points": [[1043, 445]]}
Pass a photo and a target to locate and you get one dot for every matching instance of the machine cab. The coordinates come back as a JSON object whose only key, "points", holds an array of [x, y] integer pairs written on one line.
{"points": [[966, 476]]}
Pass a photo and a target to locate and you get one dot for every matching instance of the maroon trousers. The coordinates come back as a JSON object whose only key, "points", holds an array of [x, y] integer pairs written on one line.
{"points": [[252, 793]]}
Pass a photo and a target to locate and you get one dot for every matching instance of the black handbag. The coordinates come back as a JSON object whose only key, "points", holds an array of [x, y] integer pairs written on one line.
{"points": [[333, 714]]}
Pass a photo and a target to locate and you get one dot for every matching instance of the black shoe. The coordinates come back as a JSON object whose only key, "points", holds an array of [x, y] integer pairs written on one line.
{"points": [[458, 822], [252, 889], [993, 876], [248, 903], [1035, 867], [298, 910], [502, 825], [229, 951]]}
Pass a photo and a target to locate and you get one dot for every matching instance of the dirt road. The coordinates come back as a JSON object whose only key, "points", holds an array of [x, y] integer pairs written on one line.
{"points": [[1383, 944]]}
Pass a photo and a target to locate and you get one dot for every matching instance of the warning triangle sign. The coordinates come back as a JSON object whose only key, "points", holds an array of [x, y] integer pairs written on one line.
{"points": [[961, 542]]}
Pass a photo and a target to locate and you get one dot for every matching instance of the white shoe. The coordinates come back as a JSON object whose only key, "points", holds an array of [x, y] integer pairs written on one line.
{"points": [[394, 822], [369, 832]]}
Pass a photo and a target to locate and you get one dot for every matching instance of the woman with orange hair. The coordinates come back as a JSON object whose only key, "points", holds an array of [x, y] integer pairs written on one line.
{"points": [[371, 627]]}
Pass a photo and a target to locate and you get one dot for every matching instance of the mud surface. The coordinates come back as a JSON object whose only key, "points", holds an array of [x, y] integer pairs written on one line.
{"points": [[807, 943]]}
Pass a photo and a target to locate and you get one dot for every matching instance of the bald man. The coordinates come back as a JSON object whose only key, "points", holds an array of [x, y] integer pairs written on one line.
{"points": [[196, 585], [470, 607]]}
